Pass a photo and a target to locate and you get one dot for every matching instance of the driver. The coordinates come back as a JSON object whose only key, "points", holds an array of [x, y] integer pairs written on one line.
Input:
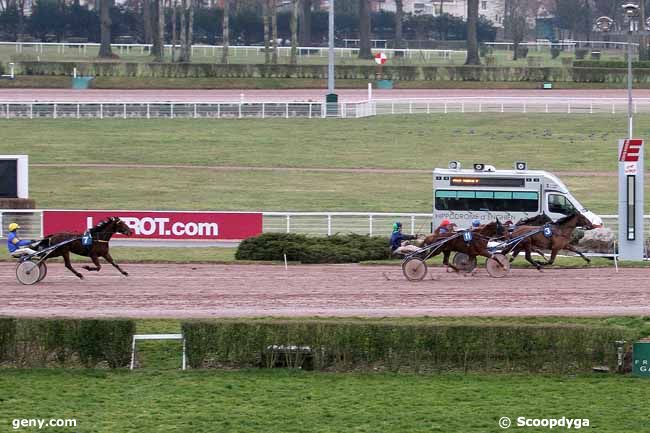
{"points": [[16, 246], [396, 239]]}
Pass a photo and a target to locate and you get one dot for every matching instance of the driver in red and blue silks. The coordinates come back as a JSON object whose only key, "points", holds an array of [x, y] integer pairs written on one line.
{"points": [[15, 245]]}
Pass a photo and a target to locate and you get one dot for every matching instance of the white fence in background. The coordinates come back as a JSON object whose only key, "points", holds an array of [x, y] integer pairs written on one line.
{"points": [[309, 223], [313, 110], [91, 48], [182, 110]]}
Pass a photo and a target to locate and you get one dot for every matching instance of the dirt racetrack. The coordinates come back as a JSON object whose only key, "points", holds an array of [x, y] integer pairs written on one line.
{"points": [[184, 291]]}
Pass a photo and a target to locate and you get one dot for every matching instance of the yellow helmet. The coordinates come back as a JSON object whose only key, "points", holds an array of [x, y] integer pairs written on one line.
{"points": [[13, 226]]}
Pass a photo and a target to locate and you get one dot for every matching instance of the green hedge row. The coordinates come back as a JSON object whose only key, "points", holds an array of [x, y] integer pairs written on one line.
{"points": [[362, 345], [42, 343], [351, 248], [620, 64]]}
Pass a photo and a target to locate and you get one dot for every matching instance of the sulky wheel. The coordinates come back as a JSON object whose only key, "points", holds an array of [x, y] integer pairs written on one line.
{"points": [[463, 262], [42, 267], [498, 266], [28, 273], [414, 269]]}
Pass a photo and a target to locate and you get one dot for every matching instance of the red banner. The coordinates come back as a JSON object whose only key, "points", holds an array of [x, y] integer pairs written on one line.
{"points": [[161, 225]]}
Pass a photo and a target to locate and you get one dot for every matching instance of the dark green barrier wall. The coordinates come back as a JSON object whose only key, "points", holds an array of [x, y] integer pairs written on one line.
{"points": [[350, 345], [66, 342]]}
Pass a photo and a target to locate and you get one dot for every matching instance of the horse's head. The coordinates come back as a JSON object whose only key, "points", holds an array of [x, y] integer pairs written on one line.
{"points": [[491, 229], [584, 222], [120, 226]]}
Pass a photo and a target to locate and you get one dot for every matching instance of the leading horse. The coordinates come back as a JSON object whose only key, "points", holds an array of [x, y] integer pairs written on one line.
{"points": [[99, 236]]}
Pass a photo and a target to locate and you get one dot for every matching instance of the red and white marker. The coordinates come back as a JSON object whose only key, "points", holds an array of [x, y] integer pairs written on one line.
{"points": [[380, 58]]}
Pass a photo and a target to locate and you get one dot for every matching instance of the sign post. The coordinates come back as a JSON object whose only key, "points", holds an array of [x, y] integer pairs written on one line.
{"points": [[630, 199]]}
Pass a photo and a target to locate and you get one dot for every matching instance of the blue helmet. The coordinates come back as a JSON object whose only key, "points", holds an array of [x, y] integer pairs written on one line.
{"points": [[476, 223]]}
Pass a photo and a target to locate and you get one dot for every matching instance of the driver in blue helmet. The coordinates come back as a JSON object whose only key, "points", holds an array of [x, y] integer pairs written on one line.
{"points": [[475, 224], [398, 237]]}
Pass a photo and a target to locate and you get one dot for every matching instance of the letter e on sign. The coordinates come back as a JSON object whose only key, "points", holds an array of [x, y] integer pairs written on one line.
{"points": [[630, 150]]}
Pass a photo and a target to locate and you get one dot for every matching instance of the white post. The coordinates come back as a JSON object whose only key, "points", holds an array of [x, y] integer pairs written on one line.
{"points": [[288, 223], [101, 111], [53, 113], [218, 111], [148, 112], [124, 111], [309, 109], [31, 111], [172, 110], [74, 73], [184, 366], [240, 110], [263, 110], [195, 114], [286, 110], [370, 224], [78, 111], [11, 70], [412, 224], [133, 353], [369, 91], [329, 225]]}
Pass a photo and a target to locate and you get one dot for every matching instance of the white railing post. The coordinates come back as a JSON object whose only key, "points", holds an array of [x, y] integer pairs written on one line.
{"points": [[502, 107], [428, 108], [218, 111], [148, 111], [101, 111], [591, 108], [288, 223], [410, 107], [54, 112], [445, 108], [370, 224], [613, 108], [7, 111], [392, 108], [547, 108], [462, 107], [124, 111], [240, 110], [412, 224], [524, 107], [195, 113], [286, 110], [171, 111], [568, 108], [263, 110], [78, 111], [329, 224], [31, 111], [480, 107], [309, 109]]}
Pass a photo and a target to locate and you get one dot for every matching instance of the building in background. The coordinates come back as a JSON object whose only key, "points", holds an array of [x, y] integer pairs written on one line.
{"points": [[493, 10]]}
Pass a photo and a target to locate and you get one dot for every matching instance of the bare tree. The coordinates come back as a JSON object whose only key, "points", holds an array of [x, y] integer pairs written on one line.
{"points": [[644, 53], [472, 34], [226, 31], [305, 23], [514, 23], [105, 51], [158, 16], [146, 18], [266, 21], [399, 18], [365, 52], [174, 6], [274, 32], [294, 32]]}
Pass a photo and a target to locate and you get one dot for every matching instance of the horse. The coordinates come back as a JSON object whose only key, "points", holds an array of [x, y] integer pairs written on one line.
{"points": [[477, 246], [537, 220], [559, 239], [100, 234]]}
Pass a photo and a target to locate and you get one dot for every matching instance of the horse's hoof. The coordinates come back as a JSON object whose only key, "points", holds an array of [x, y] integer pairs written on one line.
{"points": [[81, 277], [126, 274]]}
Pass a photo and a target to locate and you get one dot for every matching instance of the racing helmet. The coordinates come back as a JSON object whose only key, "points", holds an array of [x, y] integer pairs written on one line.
{"points": [[13, 227], [397, 226], [476, 223]]}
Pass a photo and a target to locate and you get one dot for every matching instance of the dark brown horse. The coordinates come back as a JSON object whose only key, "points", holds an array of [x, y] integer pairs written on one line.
{"points": [[478, 246], [559, 238], [100, 234]]}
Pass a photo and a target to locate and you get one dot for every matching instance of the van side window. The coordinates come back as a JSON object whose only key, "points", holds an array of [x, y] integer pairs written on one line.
{"points": [[559, 204]]}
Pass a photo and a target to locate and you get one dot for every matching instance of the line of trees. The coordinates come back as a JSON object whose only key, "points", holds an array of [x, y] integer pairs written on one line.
{"points": [[245, 22]]}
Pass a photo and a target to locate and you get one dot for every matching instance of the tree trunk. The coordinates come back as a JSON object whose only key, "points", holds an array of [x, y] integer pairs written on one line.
{"points": [[174, 32], [644, 53], [183, 31], [274, 26], [399, 18], [158, 49], [305, 23], [267, 30], [472, 36], [294, 32], [365, 51], [226, 32], [146, 17], [190, 31], [105, 29]]}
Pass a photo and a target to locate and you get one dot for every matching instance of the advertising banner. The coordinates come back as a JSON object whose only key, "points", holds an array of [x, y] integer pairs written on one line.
{"points": [[161, 225]]}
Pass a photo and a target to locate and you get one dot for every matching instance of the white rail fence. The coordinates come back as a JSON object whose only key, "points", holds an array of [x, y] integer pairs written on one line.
{"points": [[312, 110], [309, 223], [90, 48]]}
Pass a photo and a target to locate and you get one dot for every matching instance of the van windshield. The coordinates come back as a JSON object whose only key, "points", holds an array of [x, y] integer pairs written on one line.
{"points": [[558, 203], [495, 201]]}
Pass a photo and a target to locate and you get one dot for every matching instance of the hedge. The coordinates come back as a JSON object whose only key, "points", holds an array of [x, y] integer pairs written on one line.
{"points": [[616, 64], [347, 345], [351, 248], [65, 342]]}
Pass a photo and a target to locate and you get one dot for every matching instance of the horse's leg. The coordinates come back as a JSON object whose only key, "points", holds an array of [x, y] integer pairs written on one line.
{"points": [[515, 251], [66, 260], [529, 259], [110, 260], [554, 252], [95, 260], [573, 249], [445, 261]]}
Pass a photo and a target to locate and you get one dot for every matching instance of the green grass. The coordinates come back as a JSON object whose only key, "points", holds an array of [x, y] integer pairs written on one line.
{"points": [[296, 401], [550, 142]]}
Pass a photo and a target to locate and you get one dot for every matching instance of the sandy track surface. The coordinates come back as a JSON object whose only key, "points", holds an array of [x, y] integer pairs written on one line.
{"points": [[185, 291], [317, 95]]}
